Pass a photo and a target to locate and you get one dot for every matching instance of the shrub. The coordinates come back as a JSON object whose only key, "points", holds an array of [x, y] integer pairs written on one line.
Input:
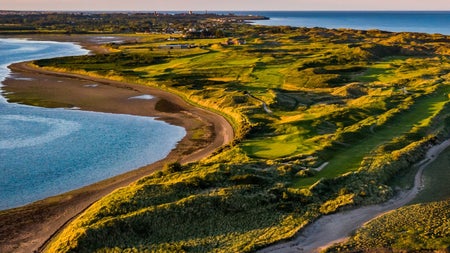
{"points": [[173, 167]]}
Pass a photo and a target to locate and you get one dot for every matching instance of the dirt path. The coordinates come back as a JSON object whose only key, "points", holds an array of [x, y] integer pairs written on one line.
{"points": [[265, 106], [26, 228], [337, 227]]}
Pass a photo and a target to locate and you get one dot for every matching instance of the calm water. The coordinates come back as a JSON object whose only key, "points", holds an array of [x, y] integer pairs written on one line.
{"points": [[44, 152], [395, 21]]}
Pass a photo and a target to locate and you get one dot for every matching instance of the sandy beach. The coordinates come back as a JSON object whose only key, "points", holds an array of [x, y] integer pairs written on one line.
{"points": [[27, 228]]}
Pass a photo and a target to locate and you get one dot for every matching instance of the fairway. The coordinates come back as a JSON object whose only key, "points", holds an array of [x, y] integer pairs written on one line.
{"points": [[349, 158], [298, 98]]}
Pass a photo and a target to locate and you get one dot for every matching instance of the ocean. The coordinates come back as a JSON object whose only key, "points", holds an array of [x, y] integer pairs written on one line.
{"points": [[45, 152], [394, 21]]}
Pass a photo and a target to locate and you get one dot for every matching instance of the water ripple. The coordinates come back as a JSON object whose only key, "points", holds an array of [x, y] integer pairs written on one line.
{"points": [[57, 128]]}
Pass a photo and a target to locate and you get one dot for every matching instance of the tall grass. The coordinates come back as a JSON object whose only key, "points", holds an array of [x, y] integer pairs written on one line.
{"points": [[360, 101]]}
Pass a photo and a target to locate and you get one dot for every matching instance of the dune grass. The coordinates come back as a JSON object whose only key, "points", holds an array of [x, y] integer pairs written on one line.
{"points": [[347, 159], [297, 98], [415, 228], [436, 178]]}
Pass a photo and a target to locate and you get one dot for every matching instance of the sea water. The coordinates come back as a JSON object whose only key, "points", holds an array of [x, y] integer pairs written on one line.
{"points": [[45, 152], [394, 21]]}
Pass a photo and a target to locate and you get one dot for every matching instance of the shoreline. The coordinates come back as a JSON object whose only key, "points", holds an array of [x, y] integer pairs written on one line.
{"points": [[27, 228]]}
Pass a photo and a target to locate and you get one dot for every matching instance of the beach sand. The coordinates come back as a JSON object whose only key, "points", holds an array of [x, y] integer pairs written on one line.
{"points": [[27, 228]]}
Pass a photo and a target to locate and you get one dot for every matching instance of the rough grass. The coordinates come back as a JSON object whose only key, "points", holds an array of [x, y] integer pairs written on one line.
{"points": [[436, 178], [360, 101], [415, 228], [349, 158], [421, 226]]}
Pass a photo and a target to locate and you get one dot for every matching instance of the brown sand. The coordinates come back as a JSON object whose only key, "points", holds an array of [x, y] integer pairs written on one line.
{"points": [[27, 228]]}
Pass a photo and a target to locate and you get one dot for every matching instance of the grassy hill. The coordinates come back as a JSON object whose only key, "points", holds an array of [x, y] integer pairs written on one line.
{"points": [[423, 226], [367, 104], [414, 228]]}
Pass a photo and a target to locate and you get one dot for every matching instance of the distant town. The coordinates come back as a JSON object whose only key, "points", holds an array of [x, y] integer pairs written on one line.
{"points": [[190, 24]]}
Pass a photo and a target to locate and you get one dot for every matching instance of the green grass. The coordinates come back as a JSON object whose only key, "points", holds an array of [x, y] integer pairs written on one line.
{"points": [[331, 100], [381, 71], [349, 158], [271, 148], [415, 228], [423, 225], [436, 178], [392, 69]]}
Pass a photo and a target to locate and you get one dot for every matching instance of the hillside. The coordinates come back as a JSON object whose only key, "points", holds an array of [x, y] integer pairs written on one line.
{"points": [[418, 228], [324, 120], [422, 226]]}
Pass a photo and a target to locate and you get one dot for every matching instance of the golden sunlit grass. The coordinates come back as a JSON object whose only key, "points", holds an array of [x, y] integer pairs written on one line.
{"points": [[297, 98]]}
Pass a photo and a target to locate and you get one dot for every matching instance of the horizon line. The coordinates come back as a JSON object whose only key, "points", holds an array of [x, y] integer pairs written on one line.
{"points": [[268, 10]]}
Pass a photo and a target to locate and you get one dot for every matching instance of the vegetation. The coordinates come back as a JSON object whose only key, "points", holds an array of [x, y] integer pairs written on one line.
{"points": [[369, 103], [423, 226], [190, 24], [436, 178], [419, 227]]}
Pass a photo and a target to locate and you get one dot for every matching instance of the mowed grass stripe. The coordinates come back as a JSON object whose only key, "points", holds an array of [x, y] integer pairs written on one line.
{"points": [[349, 158]]}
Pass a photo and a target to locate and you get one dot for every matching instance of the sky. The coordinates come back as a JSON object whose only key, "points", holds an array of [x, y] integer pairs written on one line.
{"points": [[210, 5]]}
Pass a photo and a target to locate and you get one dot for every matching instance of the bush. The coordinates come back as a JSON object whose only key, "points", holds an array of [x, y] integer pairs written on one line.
{"points": [[173, 167]]}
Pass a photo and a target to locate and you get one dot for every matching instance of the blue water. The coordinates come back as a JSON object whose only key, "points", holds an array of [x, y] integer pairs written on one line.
{"points": [[17, 50], [395, 21], [45, 152]]}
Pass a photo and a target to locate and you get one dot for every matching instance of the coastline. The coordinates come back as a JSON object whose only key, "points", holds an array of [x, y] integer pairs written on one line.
{"points": [[27, 228]]}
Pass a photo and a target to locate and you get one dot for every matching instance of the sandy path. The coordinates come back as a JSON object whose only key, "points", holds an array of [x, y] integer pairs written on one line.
{"points": [[337, 227], [26, 228]]}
